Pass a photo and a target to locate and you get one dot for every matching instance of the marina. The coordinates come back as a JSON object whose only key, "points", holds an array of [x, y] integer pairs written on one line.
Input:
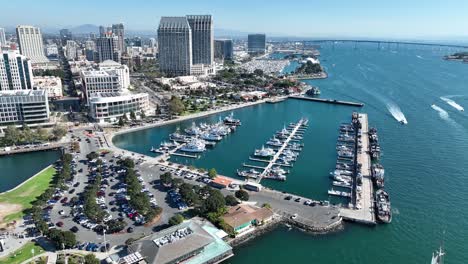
{"points": [[284, 156]]}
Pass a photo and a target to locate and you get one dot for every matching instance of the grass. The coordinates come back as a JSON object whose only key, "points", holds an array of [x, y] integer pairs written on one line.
{"points": [[22, 254], [27, 193]]}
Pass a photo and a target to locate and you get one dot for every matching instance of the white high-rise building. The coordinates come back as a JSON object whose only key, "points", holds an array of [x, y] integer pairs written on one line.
{"points": [[100, 82], [30, 42], [122, 71], [71, 49], [2, 37], [15, 72]]}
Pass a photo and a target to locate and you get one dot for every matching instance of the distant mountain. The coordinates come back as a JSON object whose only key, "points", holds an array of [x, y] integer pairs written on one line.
{"points": [[84, 29]]}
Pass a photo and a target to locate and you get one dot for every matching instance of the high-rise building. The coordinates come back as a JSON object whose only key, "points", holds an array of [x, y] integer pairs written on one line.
{"points": [[15, 72], [90, 49], [175, 46], [107, 48], [25, 106], [202, 39], [30, 42], [256, 43], [224, 49], [2, 37], [65, 35], [100, 82], [71, 50], [122, 71], [102, 31], [118, 30]]}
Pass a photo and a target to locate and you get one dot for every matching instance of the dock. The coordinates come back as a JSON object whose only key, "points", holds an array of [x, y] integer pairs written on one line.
{"points": [[328, 101], [185, 155], [21, 149], [363, 211]]}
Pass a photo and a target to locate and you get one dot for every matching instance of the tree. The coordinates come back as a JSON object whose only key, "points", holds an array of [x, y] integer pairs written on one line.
{"points": [[188, 194], [231, 200], [26, 134], [176, 106], [212, 173], [176, 219], [12, 135], [166, 178], [127, 162], [132, 116], [92, 155], [91, 259], [41, 134], [214, 203], [157, 110], [142, 115], [242, 195], [121, 122], [258, 72], [58, 132], [62, 239], [114, 226], [266, 205]]}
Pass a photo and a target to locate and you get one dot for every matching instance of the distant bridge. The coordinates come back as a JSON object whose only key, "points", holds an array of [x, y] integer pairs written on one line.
{"points": [[383, 42]]}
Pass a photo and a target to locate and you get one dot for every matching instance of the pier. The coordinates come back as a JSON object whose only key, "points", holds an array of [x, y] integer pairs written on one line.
{"points": [[328, 101], [22, 149], [363, 211], [272, 162]]}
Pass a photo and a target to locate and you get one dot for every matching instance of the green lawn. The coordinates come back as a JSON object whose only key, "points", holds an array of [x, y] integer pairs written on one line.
{"points": [[27, 193], [22, 254]]}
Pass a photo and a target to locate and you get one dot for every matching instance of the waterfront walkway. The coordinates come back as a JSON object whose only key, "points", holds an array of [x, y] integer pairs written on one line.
{"points": [[364, 210], [24, 149]]}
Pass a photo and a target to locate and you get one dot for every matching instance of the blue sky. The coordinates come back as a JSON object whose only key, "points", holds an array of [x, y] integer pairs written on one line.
{"points": [[305, 18]]}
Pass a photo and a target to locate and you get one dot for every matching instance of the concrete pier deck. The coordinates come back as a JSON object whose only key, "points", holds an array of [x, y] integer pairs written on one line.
{"points": [[329, 101], [41, 147], [364, 211]]}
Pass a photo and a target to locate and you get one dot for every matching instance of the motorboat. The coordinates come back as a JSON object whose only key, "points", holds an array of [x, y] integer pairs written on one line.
{"points": [[194, 145], [264, 152]]}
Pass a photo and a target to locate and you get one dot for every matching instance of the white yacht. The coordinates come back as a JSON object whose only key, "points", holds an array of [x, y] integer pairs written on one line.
{"points": [[194, 145], [264, 152]]}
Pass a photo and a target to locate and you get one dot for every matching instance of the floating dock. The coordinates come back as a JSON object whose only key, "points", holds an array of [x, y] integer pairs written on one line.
{"points": [[328, 101]]}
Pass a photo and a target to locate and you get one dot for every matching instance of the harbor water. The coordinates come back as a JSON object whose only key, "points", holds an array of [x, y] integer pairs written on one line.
{"points": [[17, 168], [425, 161]]}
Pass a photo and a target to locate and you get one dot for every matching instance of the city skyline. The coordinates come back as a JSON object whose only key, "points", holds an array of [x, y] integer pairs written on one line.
{"points": [[365, 18]]}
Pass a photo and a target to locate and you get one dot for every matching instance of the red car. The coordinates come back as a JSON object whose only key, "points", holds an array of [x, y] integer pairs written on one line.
{"points": [[64, 200], [59, 224]]}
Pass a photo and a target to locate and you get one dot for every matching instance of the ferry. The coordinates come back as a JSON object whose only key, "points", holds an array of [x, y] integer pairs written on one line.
{"points": [[230, 120], [383, 207], [194, 145]]}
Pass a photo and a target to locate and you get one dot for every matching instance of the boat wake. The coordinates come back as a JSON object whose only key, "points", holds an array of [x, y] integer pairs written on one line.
{"points": [[452, 103], [397, 113], [442, 113], [419, 57]]}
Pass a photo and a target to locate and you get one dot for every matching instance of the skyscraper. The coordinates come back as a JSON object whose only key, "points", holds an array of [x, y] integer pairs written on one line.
{"points": [[202, 39], [175, 46], [102, 31], [71, 50], [118, 30], [107, 48], [256, 43], [15, 71], [2, 37], [65, 35], [223, 49], [30, 42]]}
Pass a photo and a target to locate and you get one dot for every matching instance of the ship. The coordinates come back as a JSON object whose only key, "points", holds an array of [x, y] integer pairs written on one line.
{"points": [[194, 145], [177, 137], [230, 120], [437, 256], [383, 206], [378, 173], [264, 152], [193, 130], [211, 137], [313, 91]]}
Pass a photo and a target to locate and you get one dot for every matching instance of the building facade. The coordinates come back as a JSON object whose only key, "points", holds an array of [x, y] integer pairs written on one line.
{"points": [[25, 106], [107, 48], [224, 49], [108, 107], [52, 84], [15, 72], [256, 43], [71, 49], [119, 31], [175, 46], [202, 39], [30, 42], [2, 37], [65, 35], [100, 82], [122, 71]]}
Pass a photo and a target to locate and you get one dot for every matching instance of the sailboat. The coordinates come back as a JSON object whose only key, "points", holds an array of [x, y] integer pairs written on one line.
{"points": [[437, 257]]}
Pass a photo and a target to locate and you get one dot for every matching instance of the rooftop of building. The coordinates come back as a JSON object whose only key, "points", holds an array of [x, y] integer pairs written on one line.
{"points": [[96, 73], [43, 81], [110, 63], [174, 22], [174, 243], [243, 213], [8, 93], [113, 97], [222, 181]]}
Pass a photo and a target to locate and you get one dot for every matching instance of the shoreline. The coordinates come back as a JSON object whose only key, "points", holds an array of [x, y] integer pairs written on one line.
{"points": [[26, 181]]}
